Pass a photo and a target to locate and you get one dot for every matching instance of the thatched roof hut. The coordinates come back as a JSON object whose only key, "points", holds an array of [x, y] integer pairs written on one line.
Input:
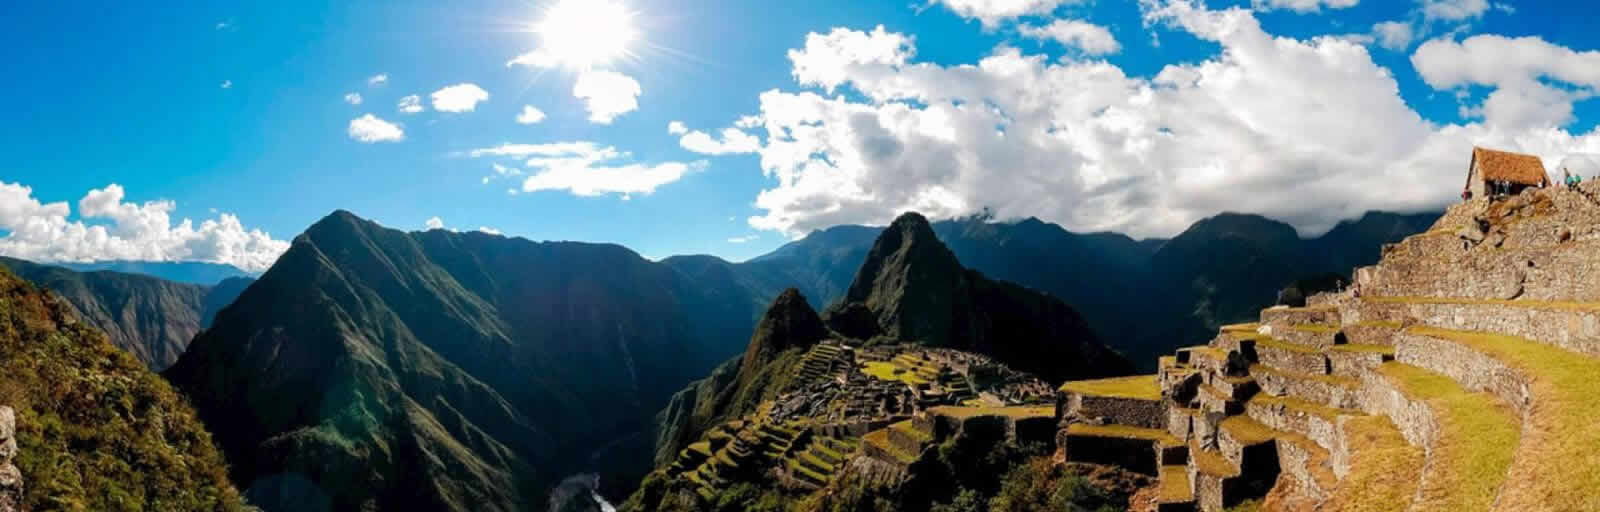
{"points": [[1504, 172]]}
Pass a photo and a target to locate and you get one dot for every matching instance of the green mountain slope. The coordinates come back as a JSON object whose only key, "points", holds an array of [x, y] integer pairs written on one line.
{"points": [[151, 318], [443, 371], [97, 430]]}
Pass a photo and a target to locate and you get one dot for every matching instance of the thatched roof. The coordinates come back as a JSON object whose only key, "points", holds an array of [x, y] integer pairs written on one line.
{"points": [[1508, 166]]}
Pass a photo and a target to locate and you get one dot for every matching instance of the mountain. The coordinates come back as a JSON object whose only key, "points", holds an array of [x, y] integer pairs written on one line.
{"points": [[96, 430], [371, 368], [909, 289], [191, 272], [151, 318]]}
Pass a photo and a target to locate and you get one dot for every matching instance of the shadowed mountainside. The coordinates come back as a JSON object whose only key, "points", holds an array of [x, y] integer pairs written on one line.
{"points": [[443, 371], [151, 318], [190, 272]]}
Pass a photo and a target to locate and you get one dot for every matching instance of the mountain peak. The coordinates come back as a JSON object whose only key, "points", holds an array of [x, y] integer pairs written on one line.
{"points": [[789, 323], [909, 279]]}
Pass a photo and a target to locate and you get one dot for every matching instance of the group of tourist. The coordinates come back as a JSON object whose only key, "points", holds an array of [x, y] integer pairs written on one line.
{"points": [[1572, 180]]}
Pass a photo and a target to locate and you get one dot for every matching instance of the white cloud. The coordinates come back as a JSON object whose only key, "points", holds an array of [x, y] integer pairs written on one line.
{"points": [[489, 230], [141, 232], [607, 94], [677, 128], [1302, 6], [585, 169], [829, 60], [1393, 35], [227, 84], [433, 223], [1089, 38], [993, 12], [370, 129], [223, 25], [530, 115], [743, 239], [1524, 72], [1262, 127], [378, 79], [459, 98], [1453, 10], [410, 104], [734, 141], [353, 98]]}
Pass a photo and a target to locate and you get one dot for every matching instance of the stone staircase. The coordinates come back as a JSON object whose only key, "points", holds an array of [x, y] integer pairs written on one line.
{"points": [[1458, 374]]}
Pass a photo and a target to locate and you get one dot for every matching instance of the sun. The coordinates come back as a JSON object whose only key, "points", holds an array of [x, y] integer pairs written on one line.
{"points": [[583, 34]]}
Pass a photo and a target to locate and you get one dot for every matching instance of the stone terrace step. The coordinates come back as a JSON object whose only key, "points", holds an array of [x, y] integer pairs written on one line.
{"points": [[1329, 390], [1133, 401], [1176, 493], [1383, 467], [1315, 421], [1470, 438], [1132, 448], [1288, 356], [1355, 360], [1557, 394], [1300, 316], [1311, 335], [1573, 326]]}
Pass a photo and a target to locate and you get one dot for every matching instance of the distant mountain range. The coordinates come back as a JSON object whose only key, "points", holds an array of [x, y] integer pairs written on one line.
{"points": [[151, 318], [191, 272]]}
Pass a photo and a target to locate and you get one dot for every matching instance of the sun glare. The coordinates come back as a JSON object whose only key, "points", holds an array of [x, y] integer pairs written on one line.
{"points": [[585, 33]]}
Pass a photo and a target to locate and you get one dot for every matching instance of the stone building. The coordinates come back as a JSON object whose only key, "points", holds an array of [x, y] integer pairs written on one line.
{"points": [[1495, 173]]}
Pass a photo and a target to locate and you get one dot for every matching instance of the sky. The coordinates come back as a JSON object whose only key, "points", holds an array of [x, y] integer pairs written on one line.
{"points": [[218, 131]]}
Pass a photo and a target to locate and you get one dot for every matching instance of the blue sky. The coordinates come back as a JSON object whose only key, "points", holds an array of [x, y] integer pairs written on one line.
{"points": [[133, 94]]}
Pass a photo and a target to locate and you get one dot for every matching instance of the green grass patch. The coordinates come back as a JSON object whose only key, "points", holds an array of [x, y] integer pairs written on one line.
{"points": [[1122, 432], [1141, 387], [1335, 380], [1383, 469], [1248, 431], [1019, 412], [884, 370], [1364, 349], [1557, 469], [1175, 485], [880, 439], [1317, 328], [1212, 463], [1296, 404], [1245, 327], [1275, 344], [1476, 443]]}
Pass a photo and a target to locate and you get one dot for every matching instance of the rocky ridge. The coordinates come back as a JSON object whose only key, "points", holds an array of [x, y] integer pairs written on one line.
{"points": [[1449, 376]]}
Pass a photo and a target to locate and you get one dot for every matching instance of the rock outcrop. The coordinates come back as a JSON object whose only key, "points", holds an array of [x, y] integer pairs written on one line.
{"points": [[11, 483]]}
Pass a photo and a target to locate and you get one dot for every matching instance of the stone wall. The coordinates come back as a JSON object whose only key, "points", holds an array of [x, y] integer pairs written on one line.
{"points": [[1120, 411], [1471, 369], [1570, 327]]}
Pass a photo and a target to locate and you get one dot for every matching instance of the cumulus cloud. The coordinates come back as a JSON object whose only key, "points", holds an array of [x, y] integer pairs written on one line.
{"points": [[1453, 10], [677, 128], [607, 94], [489, 230], [1393, 35], [141, 232], [993, 12], [1087, 37], [1303, 6], [1523, 71], [1264, 126], [459, 98], [734, 141], [353, 98], [370, 129], [410, 104], [530, 115], [378, 79], [585, 168], [433, 223]]}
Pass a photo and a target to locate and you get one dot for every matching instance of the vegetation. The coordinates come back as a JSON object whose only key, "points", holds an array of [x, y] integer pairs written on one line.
{"points": [[1556, 467], [889, 371], [97, 430], [1122, 431], [1476, 441], [1142, 387], [1041, 485], [1383, 470]]}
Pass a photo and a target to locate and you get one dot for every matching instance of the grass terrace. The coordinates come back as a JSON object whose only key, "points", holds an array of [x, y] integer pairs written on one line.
{"points": [[1274, 343], [1245, 327], [1317, 328], [1248, 431], [1368, 349], [1476, 442], [1175, 485], [1141, 387], [1383, 469], [1123, 432], [880, 439], [1212, 463], [1556, 468], [1336, 380], [1296, 404], [1587, 307], [892, 372], [1021, 412]]}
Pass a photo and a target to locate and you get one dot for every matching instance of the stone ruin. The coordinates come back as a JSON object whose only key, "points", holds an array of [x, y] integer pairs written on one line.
{"points": [[1456, 374]]}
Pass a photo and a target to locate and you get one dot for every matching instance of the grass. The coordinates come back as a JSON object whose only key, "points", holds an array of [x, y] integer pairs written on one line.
{"points": [[1557, 468], [1122, 432], [1019, 412], [1141, 387], [1475, 445], [880, 438], [1175, 485], [1369, 349], [1212, 463], [1248, 431], [1336, 380], [1383, 470], [1317, 328], [885, 370], [702, 447], [1245, 327], [1274, 343], [906, 428]]}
